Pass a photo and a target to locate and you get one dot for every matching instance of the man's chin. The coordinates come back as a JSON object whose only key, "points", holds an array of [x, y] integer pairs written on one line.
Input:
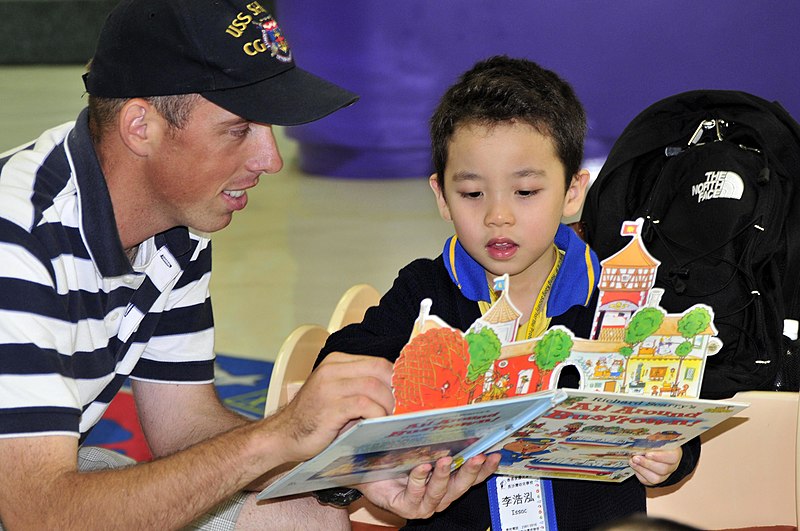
{"points": [[211, 227]]}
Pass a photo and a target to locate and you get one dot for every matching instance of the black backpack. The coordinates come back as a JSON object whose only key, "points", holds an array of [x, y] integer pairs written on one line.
{"points": [[715, 175]]}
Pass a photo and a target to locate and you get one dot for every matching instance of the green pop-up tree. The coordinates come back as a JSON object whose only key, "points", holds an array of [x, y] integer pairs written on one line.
{"points": [[690, 325], [552, 349]]}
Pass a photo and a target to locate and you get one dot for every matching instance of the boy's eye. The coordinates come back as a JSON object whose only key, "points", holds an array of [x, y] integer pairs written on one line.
{"points": [[527, 193], [471, 195]]}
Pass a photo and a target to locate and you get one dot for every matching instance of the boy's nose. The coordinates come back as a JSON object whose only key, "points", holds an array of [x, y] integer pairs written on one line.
{"points": [[499, 213], [267, 157]]}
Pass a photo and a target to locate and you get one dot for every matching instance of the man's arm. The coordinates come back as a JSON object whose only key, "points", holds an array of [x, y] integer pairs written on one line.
{"points": [[42, 487], [175, 416], [199, 414]]}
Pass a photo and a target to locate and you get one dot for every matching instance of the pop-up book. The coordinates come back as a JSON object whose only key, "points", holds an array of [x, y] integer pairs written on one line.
{"points": [[463, 393], [639, 374], [636, 347]]}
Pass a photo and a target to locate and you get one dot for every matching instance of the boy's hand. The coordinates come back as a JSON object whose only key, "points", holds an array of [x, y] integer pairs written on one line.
{"points": [[420, 496], [655, 467]]}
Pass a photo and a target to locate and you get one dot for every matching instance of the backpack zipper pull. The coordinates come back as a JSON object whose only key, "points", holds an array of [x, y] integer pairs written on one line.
{"points": [[706, 125], [764, 174]]}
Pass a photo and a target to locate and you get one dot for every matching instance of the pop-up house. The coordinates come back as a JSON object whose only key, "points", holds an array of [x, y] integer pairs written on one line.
{"points": [[635, 347]]}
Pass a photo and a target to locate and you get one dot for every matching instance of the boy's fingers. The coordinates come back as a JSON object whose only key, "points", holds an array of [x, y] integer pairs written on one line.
{"points": [[417, 483], [650, 472], [466, 476], [669, 456]]}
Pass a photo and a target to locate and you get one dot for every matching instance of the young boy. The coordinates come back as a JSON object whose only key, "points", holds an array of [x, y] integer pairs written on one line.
{"points": [[507, 147]]}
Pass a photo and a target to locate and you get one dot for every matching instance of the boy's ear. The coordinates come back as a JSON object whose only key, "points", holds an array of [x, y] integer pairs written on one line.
{"points": [[441, 202], [576, 193], [139, 125]]}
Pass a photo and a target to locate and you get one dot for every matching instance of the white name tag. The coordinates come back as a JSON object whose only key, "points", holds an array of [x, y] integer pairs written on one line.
{"points": [[521, 504]]}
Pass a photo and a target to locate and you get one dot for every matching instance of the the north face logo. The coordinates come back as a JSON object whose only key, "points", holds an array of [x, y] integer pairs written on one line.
{"points": [[719, 185]]}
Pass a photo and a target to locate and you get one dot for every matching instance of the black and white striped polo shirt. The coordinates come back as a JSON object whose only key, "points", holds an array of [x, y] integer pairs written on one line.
{"points": [[76, 319]]}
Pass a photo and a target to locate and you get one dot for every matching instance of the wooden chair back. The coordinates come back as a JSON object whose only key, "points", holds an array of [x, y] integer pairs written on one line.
{"points": [[352, 305], [293, 364]]}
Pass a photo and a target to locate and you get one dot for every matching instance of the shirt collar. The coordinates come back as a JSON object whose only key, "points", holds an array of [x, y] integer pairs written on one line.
{"points": [[574, 284], [98, 225]]}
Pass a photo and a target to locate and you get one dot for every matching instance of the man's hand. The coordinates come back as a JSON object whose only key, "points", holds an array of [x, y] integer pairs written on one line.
{"points": [[425, 492], [655, 467], [343, 388]]}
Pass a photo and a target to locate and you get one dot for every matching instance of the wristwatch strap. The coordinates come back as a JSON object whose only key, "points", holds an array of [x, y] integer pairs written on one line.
{"points": [[337, 496]]}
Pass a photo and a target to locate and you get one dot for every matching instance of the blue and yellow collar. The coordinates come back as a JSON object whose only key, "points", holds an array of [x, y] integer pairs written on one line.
{"points": [[574, 284]]}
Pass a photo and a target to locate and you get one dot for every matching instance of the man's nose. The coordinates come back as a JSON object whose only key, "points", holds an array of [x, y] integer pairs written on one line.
{"points": [[267, 158]]}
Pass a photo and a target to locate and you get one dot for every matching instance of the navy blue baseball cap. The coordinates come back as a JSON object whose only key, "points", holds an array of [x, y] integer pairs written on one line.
{"points": [[232, 52]]}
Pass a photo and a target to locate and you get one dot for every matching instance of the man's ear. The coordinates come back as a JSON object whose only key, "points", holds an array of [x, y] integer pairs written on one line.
{"points": [[441, 202], [138, 126], [576, 193]]}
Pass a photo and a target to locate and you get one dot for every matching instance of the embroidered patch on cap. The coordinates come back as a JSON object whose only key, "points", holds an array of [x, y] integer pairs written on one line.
{"points": [[273, 39]]}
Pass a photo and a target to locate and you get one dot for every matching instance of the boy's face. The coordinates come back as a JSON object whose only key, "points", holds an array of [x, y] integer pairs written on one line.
{"points": [[504, 192]]}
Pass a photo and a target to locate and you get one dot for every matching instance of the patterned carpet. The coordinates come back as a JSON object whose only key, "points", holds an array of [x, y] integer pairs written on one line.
{"points": [[241, 384]]}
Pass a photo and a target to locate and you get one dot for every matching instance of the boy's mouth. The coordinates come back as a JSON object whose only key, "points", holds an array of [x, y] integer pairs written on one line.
{"points": [[501, 248]]}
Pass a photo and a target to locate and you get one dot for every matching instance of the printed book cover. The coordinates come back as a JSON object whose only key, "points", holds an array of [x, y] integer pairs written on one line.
{"points": [[388, 447], [591, 435]]}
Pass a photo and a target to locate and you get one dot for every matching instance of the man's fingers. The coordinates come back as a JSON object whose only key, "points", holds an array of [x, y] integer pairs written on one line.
{"points": [[354, 366], [428, 489], [347, 375], [331, 382], [339, 391], [372, 398]]}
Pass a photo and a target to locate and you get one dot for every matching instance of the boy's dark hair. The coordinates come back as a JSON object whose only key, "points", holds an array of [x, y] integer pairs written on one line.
{"points": [[503, 89]]}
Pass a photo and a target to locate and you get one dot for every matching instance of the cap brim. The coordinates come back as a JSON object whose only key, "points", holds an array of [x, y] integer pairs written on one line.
{"points": [[292, 97]]}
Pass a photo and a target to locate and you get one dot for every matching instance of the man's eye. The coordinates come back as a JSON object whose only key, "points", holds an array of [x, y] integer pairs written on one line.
{"points": [[240, 132]]}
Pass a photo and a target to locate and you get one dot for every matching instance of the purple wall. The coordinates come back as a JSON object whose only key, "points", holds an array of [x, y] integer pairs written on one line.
{"points": [[620, 56]]}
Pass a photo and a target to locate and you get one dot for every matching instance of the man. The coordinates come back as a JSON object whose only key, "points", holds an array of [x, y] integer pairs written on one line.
{"points": [[104, 276]]}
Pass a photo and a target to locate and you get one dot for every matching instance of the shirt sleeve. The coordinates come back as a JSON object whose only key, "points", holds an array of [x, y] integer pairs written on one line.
{"points": [[38, 390]]}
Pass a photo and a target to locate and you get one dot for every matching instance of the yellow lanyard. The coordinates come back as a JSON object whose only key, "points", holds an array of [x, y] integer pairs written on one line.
{"points": [[538, 321]]}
